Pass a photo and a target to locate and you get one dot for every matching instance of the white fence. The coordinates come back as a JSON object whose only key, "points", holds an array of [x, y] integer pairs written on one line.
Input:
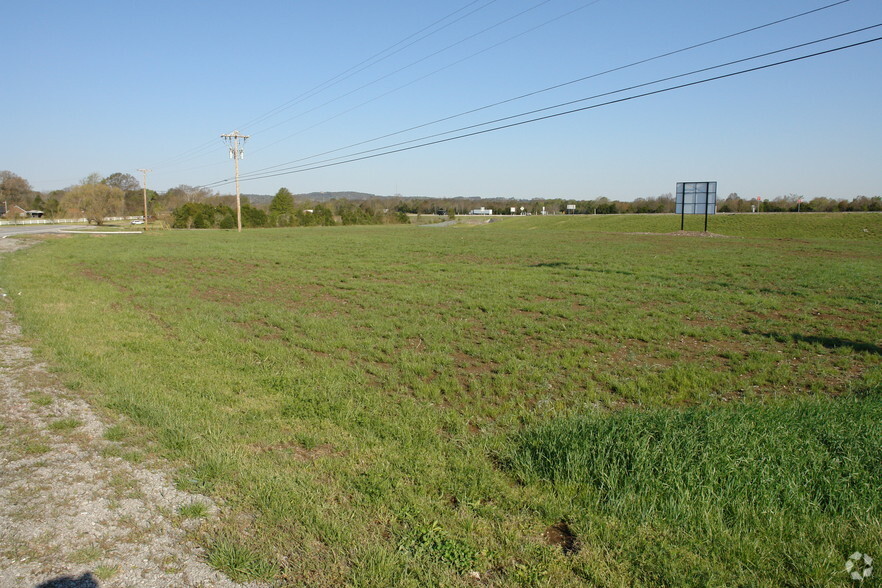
{"points": [[60, 221]]}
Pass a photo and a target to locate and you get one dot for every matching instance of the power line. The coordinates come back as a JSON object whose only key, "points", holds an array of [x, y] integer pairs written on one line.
{"points": [[204, 147], [419, 79], [370, 61], [556, 86], [413, 63], [561, 105], [568, 112]]}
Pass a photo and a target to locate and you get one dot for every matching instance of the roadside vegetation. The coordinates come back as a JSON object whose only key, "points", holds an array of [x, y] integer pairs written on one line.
{"points": [[541, 401], [98, 198]]}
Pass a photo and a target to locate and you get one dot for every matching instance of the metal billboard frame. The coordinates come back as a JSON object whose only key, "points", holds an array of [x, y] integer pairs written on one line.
{"points": [[688, 197]]}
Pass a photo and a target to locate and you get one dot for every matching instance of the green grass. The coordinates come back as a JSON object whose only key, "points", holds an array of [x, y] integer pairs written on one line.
{"points": [[194, 510], [367, 402], [41, 399], [238, 562], [85, 555], [116, 433], [65, 425], [106, 572], [31, 448], [742, 486]]}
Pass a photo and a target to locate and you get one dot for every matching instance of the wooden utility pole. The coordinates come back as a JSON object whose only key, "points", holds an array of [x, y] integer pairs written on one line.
{"points": [[236, 153], [144, 171]]}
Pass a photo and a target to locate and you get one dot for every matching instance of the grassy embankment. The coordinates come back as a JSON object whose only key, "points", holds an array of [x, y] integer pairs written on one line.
{"points": [[404, 405]]}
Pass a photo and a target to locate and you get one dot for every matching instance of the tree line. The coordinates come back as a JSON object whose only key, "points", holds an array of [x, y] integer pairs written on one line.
{"points": [[282, 211], [97, 198]]}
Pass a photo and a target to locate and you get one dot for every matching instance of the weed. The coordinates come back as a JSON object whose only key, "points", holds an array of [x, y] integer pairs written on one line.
{"points": [[116, 433], [85, 555], [30, 447], [194, 510], [238, 562], [65, 424], [433, 542], [134, 457], [106, 572], [41, 399]]}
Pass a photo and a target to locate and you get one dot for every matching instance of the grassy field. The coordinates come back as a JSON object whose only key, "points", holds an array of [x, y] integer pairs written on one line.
{"points": [[536, 401]]}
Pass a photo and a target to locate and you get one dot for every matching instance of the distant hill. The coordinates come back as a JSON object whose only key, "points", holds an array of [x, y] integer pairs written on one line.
{"points": [[259, 199], [325, 196]]}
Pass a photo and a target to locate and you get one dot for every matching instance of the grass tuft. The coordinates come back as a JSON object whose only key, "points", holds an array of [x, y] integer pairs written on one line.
{"points": [[65, 424], [434, 543], [85, 555], [238, 562], [194, 510], [106, 572], [41, 399], [116, 433]]}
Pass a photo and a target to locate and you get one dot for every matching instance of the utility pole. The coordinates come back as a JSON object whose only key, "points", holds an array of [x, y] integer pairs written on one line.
{"points": [[144, 171], [236, 153]]}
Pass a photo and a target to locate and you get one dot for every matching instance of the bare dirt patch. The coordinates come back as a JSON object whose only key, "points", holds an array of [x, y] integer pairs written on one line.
{"points": [[71, 514], [560, 535]]}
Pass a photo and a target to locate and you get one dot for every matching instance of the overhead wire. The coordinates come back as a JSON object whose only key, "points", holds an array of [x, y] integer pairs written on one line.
{"points": [[205, 148], [370, 61], [557, 86], [197, 151], [567, 112], [594, 97], [413, 63], [423, 77]]}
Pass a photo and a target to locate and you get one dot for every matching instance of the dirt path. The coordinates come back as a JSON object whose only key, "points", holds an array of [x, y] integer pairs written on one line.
{"points": [[71, 515]]}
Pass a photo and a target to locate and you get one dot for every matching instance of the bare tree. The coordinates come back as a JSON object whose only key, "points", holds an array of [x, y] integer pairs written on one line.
{"points": [[94, 201], [125, 182], [14, 189]]}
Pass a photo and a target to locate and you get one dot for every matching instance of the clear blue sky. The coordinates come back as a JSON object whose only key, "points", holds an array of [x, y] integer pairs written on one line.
{"points": [[109, 86]]}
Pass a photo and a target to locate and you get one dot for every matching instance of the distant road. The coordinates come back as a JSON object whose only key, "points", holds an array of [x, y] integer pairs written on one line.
{"points": [[13, 230]]}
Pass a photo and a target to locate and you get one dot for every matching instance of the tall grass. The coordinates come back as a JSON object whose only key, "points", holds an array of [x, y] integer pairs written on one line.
{"points": [[743, 484], [798, 458]]}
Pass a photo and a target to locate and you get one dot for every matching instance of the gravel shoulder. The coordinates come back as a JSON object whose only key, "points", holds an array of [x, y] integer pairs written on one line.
{"points": [[71, 513]]}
